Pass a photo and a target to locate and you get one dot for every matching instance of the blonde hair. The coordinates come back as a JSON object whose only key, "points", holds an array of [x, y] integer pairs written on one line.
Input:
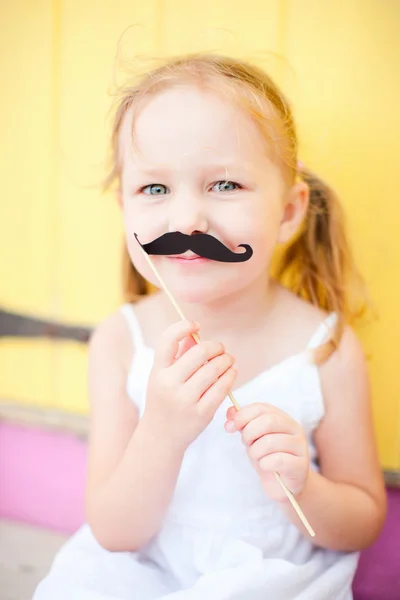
{"points": [[318, 265]]}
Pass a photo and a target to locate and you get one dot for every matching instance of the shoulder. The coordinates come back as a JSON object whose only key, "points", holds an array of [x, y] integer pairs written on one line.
{"points": [[307, 318], [113, 336], [347, 396], [112, 339], [346, 366]]}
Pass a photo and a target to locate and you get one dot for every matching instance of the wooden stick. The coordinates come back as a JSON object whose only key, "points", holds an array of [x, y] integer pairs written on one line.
{"points": [[288, 493], [295, 506]]}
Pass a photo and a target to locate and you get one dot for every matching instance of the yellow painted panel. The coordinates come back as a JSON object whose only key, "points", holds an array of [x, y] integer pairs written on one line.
{"points": [[25, 156], [71, 380], [27, 372], [337, 62], [63, 237], [226, 27], [346, 102], [27, 201]]}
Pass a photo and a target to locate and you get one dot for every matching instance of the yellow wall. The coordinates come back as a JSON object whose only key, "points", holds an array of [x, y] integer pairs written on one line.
{"points": [[60, 240]]}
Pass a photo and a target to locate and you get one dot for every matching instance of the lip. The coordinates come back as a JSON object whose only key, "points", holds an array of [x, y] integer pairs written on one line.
{"points": [[190, 259], [186, 255]]}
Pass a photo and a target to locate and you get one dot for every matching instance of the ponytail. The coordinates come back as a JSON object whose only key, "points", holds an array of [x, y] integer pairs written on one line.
{"points": [[319, 265]]}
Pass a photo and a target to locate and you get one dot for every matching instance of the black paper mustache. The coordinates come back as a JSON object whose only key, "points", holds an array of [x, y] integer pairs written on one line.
{"points": [[201, 244]]}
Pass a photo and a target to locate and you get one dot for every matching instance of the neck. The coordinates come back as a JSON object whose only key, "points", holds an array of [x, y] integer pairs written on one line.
{"points": [[229, 316]]}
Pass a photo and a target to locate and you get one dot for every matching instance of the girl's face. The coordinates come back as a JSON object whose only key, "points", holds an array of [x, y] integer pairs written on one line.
{"points": [[200, 164]]}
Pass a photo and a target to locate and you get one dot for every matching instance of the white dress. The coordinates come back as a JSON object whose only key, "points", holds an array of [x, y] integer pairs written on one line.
{"points": [[222, 537]]}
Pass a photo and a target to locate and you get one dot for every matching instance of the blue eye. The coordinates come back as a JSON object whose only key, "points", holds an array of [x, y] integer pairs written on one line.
{"points": [[225, 186], [155, 189]]}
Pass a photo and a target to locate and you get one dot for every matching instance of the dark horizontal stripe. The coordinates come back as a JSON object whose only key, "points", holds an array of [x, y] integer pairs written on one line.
{"points": [[24, 326], [392, 478]]}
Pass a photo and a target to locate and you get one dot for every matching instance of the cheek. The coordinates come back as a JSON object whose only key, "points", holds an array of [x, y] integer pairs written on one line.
{"points": [[140, 263], [142, 222], [265, 241], [146, 232], [261, 232]]}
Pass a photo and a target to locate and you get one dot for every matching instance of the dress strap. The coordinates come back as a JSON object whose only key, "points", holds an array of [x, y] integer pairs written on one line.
{"points": [[133, 324], [324, 331]]}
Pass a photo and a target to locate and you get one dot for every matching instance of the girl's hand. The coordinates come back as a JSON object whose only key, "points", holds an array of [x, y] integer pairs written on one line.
{"points": [[274, 442], [187, 384]]}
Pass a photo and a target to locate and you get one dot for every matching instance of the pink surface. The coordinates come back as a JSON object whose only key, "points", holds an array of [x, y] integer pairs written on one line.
{"points": [[378, 575], [42, 477]]}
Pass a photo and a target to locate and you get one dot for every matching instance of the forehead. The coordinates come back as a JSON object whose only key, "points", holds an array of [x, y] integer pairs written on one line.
{"points": [[188, 124]]}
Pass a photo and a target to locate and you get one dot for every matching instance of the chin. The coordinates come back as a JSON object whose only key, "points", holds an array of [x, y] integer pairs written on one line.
{"points": [[201, 291]]}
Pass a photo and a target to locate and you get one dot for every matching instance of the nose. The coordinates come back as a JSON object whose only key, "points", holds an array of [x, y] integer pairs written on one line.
{"points": [[187, 213]]}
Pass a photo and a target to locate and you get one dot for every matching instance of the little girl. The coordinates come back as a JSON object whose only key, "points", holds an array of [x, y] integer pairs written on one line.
{"points": [[182, 501]]}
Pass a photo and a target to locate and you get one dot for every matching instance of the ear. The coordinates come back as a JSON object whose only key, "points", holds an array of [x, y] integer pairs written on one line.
{"points": [[294, 211]]}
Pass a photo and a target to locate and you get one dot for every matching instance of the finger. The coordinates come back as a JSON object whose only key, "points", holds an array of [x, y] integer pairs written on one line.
{"points": [[267, 423], [231, 412], [207, 375], [185, 345], [216, 394], [168, 346], [274, 442], [248, 413], [195, 358]]}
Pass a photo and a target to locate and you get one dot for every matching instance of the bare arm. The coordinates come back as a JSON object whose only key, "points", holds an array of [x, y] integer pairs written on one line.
{"points": [[134, 465], [346, 502], [131, 476]]}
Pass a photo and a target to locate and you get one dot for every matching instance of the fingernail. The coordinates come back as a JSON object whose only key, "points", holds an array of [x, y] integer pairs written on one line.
{"points": [[196, 324], [230, 426]]}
